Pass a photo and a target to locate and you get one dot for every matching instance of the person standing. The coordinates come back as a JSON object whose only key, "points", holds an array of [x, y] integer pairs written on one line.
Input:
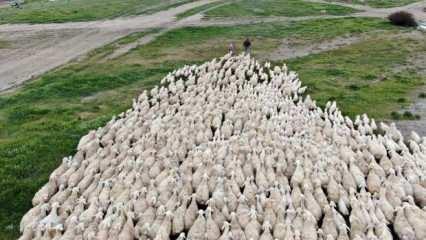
{"points": [[231, 49], [247, 46]]}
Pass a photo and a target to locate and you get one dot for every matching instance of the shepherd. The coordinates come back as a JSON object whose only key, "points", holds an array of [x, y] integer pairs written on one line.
{"points": [[231, 49], [15, 4], [247, 46]]}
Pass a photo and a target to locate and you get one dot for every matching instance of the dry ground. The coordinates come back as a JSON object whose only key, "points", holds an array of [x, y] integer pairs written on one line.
{"points": [[41, 47]]}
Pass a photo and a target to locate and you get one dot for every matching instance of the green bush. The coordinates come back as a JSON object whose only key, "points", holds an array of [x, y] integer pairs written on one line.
{"points": [[401, 100], [408, 114], [396, 115]]}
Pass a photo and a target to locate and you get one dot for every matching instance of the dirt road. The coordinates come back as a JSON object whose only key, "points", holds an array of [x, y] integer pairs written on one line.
{"points": [[36, 49]]}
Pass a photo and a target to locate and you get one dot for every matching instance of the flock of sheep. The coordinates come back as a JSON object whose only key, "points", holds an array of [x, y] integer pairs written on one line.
{"points": [[232, 150]]}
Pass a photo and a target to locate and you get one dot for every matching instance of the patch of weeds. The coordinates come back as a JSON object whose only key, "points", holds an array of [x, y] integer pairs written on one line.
{"points": [[370, 77], [396, 115], [402, 100], [354, 87], [336, 72], [331, 99], [4, 44], [407, 115], [410, 116]]}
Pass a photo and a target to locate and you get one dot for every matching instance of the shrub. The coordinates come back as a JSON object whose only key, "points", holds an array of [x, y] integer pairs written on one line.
{"points": [[422, 95], [408, 115], [396, 115], [354, 87], [401, 100], [402, 18]]}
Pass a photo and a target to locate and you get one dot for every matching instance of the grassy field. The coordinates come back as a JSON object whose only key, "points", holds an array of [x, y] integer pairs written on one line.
{"points": [[361, 77], [289, 8], [43, 121], [203, 43], [43, 11], [199, 9], [380, 3], [3, 44]]}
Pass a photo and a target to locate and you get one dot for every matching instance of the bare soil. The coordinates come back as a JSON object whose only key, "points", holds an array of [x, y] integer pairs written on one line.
{"points": [[39, 48], [290, 48], [3, 3]]}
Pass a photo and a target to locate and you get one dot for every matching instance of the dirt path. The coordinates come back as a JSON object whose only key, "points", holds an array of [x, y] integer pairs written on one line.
{"points": [[292, 49], [128, 47], [25, 60], [34, 53]]}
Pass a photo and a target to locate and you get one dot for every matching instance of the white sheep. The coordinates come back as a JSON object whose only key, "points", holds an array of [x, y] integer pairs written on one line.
{"points": [[237, 138]]}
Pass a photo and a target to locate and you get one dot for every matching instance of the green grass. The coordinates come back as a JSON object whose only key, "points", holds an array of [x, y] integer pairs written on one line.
{"points": [[265, 8], [203, 43], [102, 52], [3, 44], [198, 9], [353, 76], [43, 11], [43, 121], [380, 3], [407, 115]]}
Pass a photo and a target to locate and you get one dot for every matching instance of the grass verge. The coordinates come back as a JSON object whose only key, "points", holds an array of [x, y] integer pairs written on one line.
{"points": [[3, 44], [43, 122], [266, 8], [202, 43], [43, 11], [198, 9], [361, 77], [380, 3]]}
